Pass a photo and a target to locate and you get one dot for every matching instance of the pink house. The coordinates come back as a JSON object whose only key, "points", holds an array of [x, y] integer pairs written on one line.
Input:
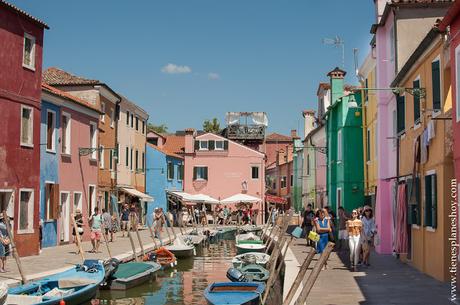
{"points": [[77, 171], [220, 168]]}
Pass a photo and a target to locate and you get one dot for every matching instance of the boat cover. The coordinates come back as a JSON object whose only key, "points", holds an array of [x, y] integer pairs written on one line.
{"points": [[128, 270]]}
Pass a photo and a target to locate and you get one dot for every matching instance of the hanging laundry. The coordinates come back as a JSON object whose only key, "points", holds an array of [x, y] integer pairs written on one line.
{"points": [[431, 130], [424, 148]]}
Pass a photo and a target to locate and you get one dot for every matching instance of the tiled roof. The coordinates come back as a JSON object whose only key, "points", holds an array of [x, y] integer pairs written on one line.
{"points": [[55, 77], [24, 13], [273, 137], [163, 150], [174, 144], [68, 96]]}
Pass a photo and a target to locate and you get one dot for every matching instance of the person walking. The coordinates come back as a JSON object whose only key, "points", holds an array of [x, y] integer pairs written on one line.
{"points": [[124, 220], [4, 245], [354, 228], [307, 223], [79, 222], [369, 230], [343, 234], [323, 228], [95, 221], [107, 221], [132, 216], [158, 222]]}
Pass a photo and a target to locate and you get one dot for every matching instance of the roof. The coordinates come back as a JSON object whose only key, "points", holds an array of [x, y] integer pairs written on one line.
{"points": [[24, 14], [277, 137], [69, 97], [162, 150], [124, 99], [55, 76], [410, 63], [153, 134], [174, 144], [450, 16]]}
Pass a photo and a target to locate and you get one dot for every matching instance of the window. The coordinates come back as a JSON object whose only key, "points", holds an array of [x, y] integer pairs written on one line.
{"points": [[436, 82], [137, 124], [170, 171], [65, 141], [103, 112], [143, 127], [413, 201], [366, 92], [339, 145], [50, 131], [27, 122], [457, 82], [117, 154], [91, 198], [255, 172], [200, 173], [132, 120], [112, 118], [26, 211], [431, 201], [368, 145], [93, 139], [127, 157], [219, 145], [291, 182], [111, 159], [131, 159], [77, 203], [376, 142], [308, 164], [401, 114], [274, 185], [416, 84], [283, 182], [101, 156], [180, 172], [28, 54], [204, 145], [127, 118], [51, 201], [143, 162], [339, 199], [137, 160]]}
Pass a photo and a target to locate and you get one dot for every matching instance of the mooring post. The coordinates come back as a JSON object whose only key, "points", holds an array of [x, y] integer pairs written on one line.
{"points": [[267, 225], [314, 274], [106, 241], [132, 244], [172, 229], [13, 247], [300, 275], [140, 241], [153, 237]]}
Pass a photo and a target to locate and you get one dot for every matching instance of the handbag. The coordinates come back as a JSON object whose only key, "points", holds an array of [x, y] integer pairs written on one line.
{"points": [[313, 236], [297, 232], [5, 241]]}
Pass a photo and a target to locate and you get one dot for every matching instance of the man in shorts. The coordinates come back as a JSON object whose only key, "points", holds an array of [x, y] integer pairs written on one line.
{"points": [[124, 220], [343, 234], [95, 220]]}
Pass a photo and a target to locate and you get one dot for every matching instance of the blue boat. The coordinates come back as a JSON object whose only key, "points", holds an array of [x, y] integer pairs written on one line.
{"points": [[74, 286], [234, 293]]}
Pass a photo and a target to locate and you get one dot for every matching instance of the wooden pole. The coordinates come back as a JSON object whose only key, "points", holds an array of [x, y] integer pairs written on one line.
{"points": [[153, 237], [167, 231], [172, 228], [6, 219], [140, 241], [267, 224], [314, 274], [106, 241], [300, 275], [271, 240], [132, 245], [77, 237]]}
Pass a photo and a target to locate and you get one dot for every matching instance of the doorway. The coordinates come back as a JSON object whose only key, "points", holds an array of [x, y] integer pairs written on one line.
{"points": [[65, 217], [7, 203]]}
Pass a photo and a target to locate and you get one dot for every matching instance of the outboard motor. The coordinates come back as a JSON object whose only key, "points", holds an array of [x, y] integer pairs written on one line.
{"points": [[236, 275], [110, 267]]}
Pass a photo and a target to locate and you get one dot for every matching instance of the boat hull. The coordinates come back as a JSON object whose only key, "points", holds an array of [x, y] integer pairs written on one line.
{"points": [[124, 283], [183, 253], [237, 294], [246, 248], [260, 259]]}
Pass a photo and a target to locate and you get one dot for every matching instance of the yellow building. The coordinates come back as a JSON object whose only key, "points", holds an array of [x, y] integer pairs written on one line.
{"points": [[367, 74], [425, 166]]}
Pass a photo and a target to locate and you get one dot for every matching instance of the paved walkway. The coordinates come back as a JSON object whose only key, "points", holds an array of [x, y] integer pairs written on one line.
{"points": [[386, 282], [60, 258]]}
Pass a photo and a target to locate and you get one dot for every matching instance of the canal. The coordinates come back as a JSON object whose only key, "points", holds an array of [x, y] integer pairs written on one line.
{"points": [[183, 284]]}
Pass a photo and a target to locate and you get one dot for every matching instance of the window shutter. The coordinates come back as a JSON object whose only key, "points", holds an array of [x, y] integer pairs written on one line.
{"points": [[205, 173], [434, 202], [195, 171], [55, 203], [436, 82], [197, 145], [418, 201], [211, 144], [416, 84], [401, 115], [225, 145], [411, 211], [428, 202]]}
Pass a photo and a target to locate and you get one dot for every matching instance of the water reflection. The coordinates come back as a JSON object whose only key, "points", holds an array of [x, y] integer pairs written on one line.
{"points": [[182, 285]]}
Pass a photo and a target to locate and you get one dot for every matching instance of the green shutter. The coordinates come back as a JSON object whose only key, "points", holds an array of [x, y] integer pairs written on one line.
{"points": [[428, 202], [197, 145], [111, 159], [401, 113], [434, 202], [195, 171], [436, 82], [416, 84], [225, 145], [419, 203], [211, 144], [205, 173]]}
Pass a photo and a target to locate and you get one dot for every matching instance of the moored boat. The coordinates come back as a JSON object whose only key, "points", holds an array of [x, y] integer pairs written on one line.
{"points": [[235, 293], [244, 247], [249, 229], [250, 258], [247, 237], [75, 286], [132, 274], [255, 273], [182, 248], [165, 257]]}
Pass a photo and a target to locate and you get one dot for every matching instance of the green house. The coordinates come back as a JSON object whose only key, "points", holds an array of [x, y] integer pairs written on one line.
{"points": [[345, 177]]}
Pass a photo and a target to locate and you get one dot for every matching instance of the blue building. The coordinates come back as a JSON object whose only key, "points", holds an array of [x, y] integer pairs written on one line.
{"points": [[164, 172], [49, 172]]}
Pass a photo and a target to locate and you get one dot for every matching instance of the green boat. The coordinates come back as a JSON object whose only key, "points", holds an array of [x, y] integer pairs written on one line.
{"points": [[255, 273], [132, 274]]}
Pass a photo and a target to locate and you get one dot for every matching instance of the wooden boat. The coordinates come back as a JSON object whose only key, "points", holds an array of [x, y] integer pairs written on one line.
{"points": [[255, 273], [235, 293], [249, 229], [132, 274], [75, 286], [182, 248], [245, 247], [247, 237], [250, 258], [165, 258]]}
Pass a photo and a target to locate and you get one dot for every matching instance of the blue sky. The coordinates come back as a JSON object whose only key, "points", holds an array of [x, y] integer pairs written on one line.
{"points": [[186, 61]]}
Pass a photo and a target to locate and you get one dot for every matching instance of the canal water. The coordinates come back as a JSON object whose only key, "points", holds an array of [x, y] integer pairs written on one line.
{"points": [[182, 285]]}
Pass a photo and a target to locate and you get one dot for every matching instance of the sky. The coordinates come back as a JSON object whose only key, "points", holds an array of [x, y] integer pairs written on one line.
{"points": [[185, 61]]}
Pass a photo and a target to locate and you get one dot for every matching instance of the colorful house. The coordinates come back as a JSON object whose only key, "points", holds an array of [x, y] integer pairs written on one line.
{"points": [[68, 179], [164, 172], [399, 28], [280, 178], [308, 176], [101, 96], [21, 71], [426, 168], [297, 173], [344, 145], [273, 143]]}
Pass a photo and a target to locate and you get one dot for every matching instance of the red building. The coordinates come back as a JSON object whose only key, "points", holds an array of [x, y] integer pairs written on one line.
{"points": [[21, 36]]}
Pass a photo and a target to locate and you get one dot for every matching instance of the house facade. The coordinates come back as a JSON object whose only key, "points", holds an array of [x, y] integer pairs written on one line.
{"points": [[21, 70], [426, 169], [273, 143], [280, 177], [344, 145], [308, 177], [220, 168], [297, 173]]}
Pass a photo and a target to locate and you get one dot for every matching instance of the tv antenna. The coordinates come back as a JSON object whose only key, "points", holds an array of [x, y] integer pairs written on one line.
{"points": [[337, 42]]}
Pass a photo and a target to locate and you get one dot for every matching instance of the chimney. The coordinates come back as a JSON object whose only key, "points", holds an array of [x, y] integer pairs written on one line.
{"points": [[337, 80], [294, 134], [189, 140], [309, 121]]}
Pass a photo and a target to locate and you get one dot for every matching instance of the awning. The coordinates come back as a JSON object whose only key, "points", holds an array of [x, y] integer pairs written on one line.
{"points": [[240, 198], [136, 193], [275, 199], [195, 198]]}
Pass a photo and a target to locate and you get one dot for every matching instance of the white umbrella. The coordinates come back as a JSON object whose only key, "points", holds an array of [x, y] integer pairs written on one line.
{"points": [[240, 198]]}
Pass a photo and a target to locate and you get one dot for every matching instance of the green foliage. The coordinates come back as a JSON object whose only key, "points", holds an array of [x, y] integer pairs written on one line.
{"points": [[157, 128], [212, 126]]}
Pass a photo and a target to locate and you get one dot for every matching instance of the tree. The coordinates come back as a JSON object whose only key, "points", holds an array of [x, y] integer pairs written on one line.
{"points": [[212, 126], [157, 128]]}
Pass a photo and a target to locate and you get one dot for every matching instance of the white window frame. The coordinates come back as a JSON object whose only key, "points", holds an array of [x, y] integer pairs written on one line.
{"points": [[258, 172], [92, 199], [218, 148], [93, 141], [200, 178], [112, 118], [32, 52], [80, 202], [457, 85], [31, 127], [53, 136], [30, 228], [68, 134], [339, 145], [102, 117], [101, 161], [207, 145]]}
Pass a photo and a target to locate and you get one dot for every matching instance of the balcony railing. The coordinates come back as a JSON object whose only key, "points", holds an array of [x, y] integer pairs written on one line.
{"points": [[245, 132]]}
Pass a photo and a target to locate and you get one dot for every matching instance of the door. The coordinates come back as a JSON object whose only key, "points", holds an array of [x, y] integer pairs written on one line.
{"points": [[7, 203], [65, 217]]}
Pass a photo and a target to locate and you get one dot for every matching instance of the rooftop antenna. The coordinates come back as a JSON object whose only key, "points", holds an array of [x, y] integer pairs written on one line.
{"points": [[337, 42]]}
